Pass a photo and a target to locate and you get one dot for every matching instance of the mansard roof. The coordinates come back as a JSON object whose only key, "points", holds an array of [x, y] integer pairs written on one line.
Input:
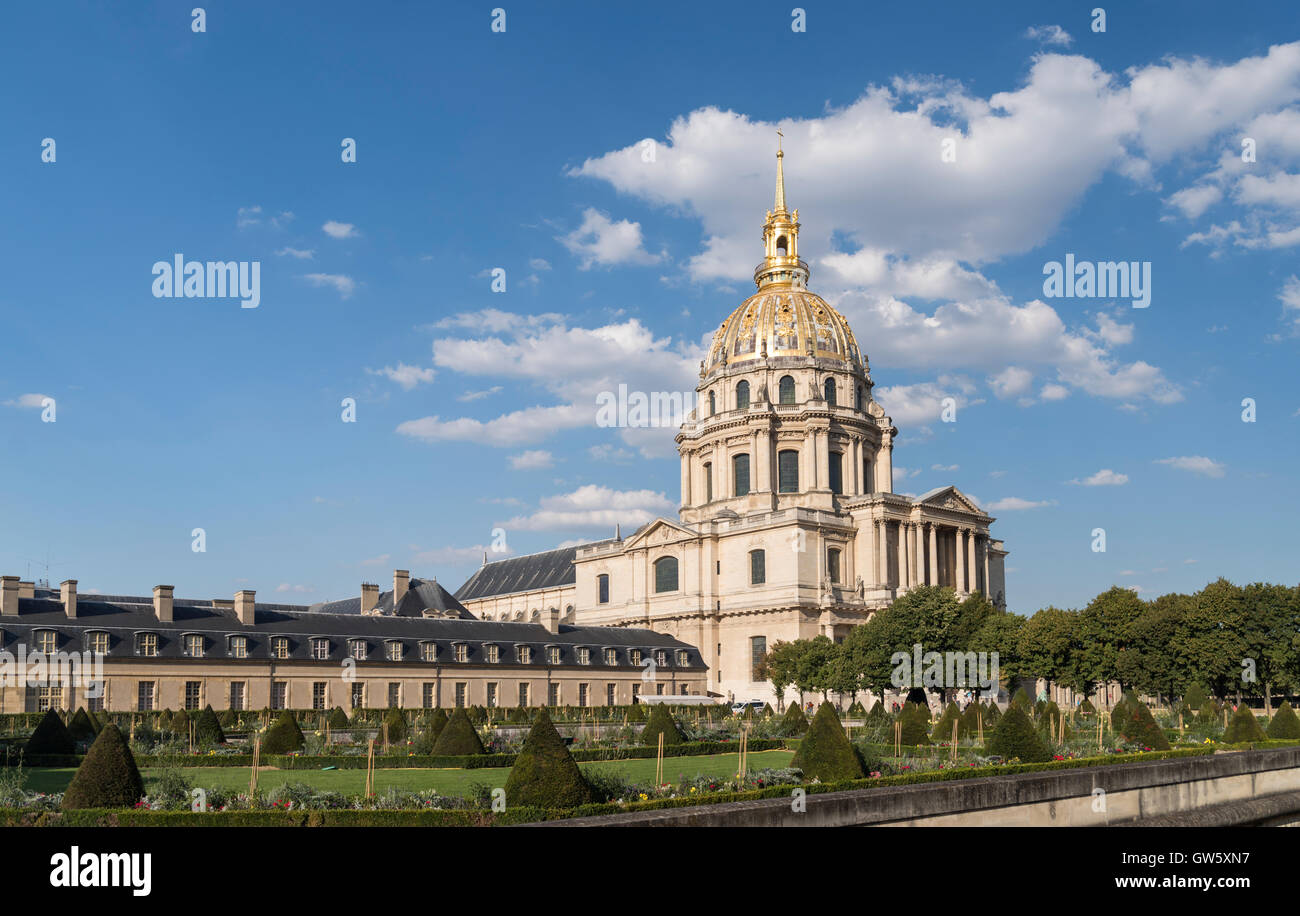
{"points": [[422, 595], [123, 617], [550, 569]]}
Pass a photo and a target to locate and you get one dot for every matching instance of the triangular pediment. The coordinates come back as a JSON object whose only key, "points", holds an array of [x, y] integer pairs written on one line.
{"points": [[949, 498], [659, 531]]}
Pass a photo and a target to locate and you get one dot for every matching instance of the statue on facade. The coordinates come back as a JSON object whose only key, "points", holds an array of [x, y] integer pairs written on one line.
{"points": [[860, 589]]}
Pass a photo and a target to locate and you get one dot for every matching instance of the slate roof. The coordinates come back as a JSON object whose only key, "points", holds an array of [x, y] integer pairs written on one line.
{"points": [[550, 569], [122, 617], [422, 594]]}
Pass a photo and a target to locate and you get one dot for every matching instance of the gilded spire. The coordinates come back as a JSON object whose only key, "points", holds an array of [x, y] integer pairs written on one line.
{"points": [[780, 174]]}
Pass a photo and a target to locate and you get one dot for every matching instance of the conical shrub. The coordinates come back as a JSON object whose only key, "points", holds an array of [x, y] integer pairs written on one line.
{"points": [[1086, 708], [436, 722], [181, 724], [1242, 727], [825, 753], [50, 737], [1210, 712], [458, 737], [108, 777], [970, 720], [857, 710], [1014, 737], [991, 714], [942, 730], [1285, 724], [1021, 699], [208, 730], [1140, 727], [661, 723], [283, 736], [1120, 713], [915, 720], [1049, 723], [545, 773], [337, 719], [81, 728], [396, 723], [226, 719], [794, 722]]}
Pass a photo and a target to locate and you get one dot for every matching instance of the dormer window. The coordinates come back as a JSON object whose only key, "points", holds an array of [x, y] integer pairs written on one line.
{"points": [[146, 644], [584, 655], [320, 648], [525, 655], [683, 658], [634, 656], [661, 658], [47, 641], [357, 649], [279, 647], [97, 643], [239, 647], [393, 650], [461, 652], [493, 653], [552, 655], [428, 651], [611, 657], [193, 645]]}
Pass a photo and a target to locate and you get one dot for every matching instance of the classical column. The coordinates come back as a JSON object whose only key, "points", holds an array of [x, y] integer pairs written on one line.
{"points": [[821, 458], [970, 560], [854, 468], [902, 555], [959, 562], [686, 482], [882, 552], [934, 556], [985, 554]]}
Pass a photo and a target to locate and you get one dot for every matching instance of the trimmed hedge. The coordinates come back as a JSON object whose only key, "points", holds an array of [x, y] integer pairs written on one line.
{"points": [[1014, 737], [82, 727], [661, 723], [825, 753], [1285, 723], [545, 773], [916, 724], [108, 777], [458, 738], [283, 735], [1243, 726], [51, 737], [396, 723], [337, 719], [1141, 727], [794, 722], [207, 730]]}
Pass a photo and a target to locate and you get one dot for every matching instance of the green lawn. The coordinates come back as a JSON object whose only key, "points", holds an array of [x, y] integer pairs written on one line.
{"points": [[446, 782]]}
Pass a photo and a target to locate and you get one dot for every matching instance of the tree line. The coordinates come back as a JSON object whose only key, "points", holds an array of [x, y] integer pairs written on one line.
{"points": [[1233, 640]]}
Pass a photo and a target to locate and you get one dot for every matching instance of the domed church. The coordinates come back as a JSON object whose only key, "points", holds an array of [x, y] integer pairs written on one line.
{"points": [[789, 526]]}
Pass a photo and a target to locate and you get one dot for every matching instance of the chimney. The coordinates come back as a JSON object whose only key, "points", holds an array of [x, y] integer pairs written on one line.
{"points": [[401, 582], [9, 596], [162, 602], [68, 595], [552, 620], [369, 597], [223, 606], [26, 589], [244, 606]]}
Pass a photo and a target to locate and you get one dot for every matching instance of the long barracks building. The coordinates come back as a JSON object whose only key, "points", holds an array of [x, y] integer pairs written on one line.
{"points": [[414, 646]]}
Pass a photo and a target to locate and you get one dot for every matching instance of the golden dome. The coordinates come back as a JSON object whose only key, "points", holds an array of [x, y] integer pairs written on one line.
{"points": [[783, 321]]}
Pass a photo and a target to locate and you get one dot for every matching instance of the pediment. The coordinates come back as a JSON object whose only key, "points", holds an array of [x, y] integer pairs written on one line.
{"points": [[659, 531], [949, 498]]}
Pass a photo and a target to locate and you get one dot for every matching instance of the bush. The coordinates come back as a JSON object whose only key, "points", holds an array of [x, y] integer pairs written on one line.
{"points": [[437, 721], [1140, 727], [458, 736], [181, 724], [1119, 714], [51, 737], [857, 710], [1285, 723], [396, 723], [1050, 723], [81, 728], [661, 723], [1195, 696], [970, 720], [108, 777], [794, 722], [991, 714], [1243, 727], [942, 730], [1021, 699], [1086, 708], [207, 730], [283, 736], [1014, 737], [477, 715], [226, 719], [1210, 712], [825, 753], [916, 724], [338, 719], [545, 773], [769, 712]]}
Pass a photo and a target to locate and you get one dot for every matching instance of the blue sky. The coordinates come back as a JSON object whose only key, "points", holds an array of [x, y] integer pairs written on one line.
{"points": [[522, 150]]}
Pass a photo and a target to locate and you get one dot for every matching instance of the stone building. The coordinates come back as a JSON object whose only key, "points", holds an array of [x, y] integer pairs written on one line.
{"points": [[789, 525], [414, 646]]}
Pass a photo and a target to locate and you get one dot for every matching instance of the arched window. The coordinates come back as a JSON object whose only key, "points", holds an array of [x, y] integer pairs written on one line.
{"points": [[708, 481], [833, 565], [742, 396], [836, 475], [757, 567], [867, 486], [829, 389], [666, 574], [787, 471], [713, 403], [858, 404], [787, 389], [781, 247], [602, 589], [740, 474]]}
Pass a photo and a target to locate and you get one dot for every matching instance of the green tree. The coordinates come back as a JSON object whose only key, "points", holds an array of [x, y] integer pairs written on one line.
{"points": [[1212, 645], [1105, 628], [781, 667], [816, 670], [1047, 648]]}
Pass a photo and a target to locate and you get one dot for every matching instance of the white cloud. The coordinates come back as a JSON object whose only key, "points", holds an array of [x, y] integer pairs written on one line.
{"points": [[945, 467], [479, 395], [381, 560], [601, 242], [1103, 478], [457, 556], [593, 506], [1015, 504], [532, 424], [1054, 392], [1194, 201], [344, 285], [1197, 464], [296, 589], [539, 264], [32, 401], [1290, 299], [1011, 382], [406, 376], [532, 460], [337, 230], [302, 254], [1049, 35], [607, 452], [923, 402], [248, 216]]}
